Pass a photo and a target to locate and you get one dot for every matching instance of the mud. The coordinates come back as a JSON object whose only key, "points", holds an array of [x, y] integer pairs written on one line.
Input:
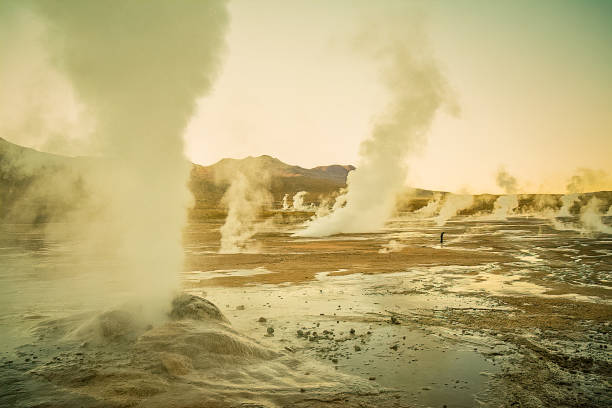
{"points": [[506, 313]]}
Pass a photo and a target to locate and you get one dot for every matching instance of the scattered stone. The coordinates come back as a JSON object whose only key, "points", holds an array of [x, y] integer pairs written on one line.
{"points": [[302, 390], [270, 331], [335, 360], [262, 320], [372, 378], [300, 333], [357, 348], [352, 331], [393, 347], [240, 307]]}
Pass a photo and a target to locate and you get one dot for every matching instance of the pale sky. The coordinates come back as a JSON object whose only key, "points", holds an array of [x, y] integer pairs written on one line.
{"points": [[532, 79]]}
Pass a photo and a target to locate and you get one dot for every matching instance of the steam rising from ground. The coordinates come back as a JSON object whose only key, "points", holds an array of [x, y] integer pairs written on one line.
{"points": [[567, 201], [391, 246], [505, 206], [298, 202], [247, 195], [431, 208], [453, 203], [418, 89], [585, 180], [506, 181], [590, 216], [138, 71]]}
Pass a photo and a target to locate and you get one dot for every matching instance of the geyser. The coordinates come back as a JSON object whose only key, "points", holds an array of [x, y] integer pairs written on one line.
{"points": [[418, 90], [453, 203], [138, 68], [248, 193]]}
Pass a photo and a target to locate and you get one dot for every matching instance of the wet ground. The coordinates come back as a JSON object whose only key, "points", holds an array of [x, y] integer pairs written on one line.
{"points": [[505, 313]]}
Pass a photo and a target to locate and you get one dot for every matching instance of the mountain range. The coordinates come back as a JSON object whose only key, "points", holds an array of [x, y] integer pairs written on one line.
{"points": [[24, 170]]}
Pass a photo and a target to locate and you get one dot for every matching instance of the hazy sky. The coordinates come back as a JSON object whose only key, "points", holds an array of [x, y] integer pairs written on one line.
{"points": [[532, 80]]}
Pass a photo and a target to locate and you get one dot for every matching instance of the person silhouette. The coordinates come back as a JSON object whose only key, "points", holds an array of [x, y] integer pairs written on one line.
{"points": [[442, 238]]}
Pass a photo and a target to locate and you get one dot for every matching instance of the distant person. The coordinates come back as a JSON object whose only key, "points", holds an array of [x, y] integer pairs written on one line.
{"points": [[442, 238]]}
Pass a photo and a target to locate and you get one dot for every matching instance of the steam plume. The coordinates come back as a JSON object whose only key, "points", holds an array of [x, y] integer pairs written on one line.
{"points": [[588, 180], [590, 217], [506, 181], [391, 246], [138, 68], [418, 89], [298, 202], [453, 203], [567, 202], [504, 206], [432, 206], [247, 194]]}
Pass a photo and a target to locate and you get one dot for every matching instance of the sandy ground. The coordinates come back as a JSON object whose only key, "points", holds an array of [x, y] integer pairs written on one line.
{"points": [[507, 313]]}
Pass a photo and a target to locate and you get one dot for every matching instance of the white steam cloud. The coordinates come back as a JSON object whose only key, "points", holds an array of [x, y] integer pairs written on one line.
{"points": [[137, 69], [587, 180], [247, 195], [590, 217], [567, 202], [418, 90], [298, 202], [391, 246], [453, 203], [506, 181], [431, 208], [505, 206]]}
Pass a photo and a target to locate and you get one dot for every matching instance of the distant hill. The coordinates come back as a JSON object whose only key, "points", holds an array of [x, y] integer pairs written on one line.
{"points": [[35, 184], [284, 178], [36, 187]]}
